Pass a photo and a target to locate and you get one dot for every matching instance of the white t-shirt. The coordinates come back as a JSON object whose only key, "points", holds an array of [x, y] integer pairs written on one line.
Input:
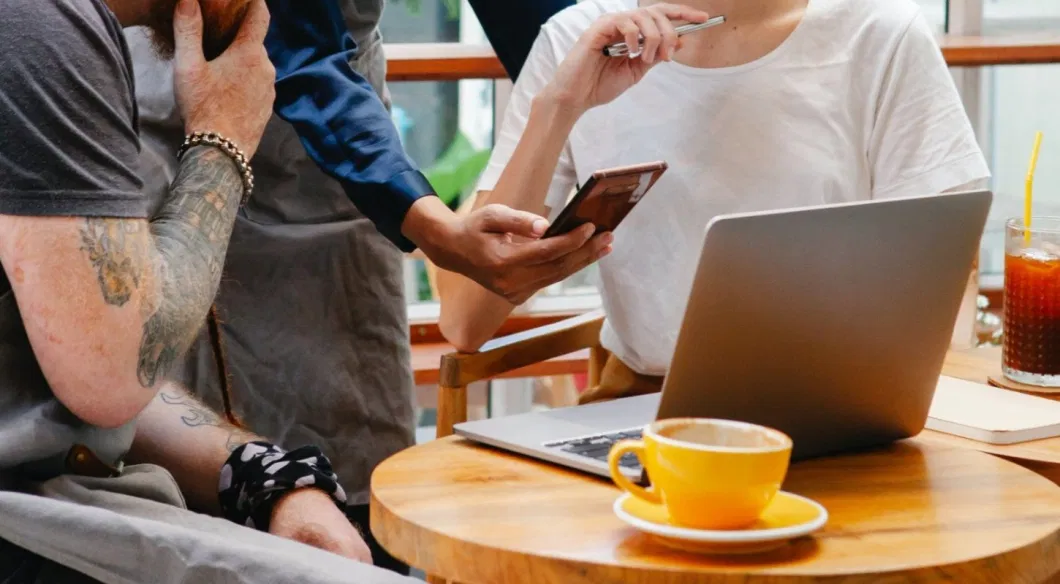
{"points": [[856, 104]]}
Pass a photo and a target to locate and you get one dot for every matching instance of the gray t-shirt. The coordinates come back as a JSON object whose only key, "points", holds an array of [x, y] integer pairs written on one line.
{"points": [[68, 125]]}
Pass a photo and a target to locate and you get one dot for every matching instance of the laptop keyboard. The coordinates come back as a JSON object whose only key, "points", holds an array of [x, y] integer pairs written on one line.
{"points": [[599, 446]]}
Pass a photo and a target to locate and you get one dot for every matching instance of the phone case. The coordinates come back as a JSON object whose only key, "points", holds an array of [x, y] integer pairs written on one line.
{"points": [[607, 197]]}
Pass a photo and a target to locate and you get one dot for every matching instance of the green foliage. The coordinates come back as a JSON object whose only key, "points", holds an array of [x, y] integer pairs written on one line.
{"points": [[423, 283], [455, 172]]}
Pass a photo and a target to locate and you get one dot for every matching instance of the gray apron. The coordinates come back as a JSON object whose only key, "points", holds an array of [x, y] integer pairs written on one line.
{"points": [[312, 307], [135, 530]]}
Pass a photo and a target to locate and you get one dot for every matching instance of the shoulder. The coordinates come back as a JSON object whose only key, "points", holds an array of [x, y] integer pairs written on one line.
{"points": [[78, 19], [38, 35], [874, 25], [566, 27], [68, 102], [884, 16], [70, 48], [868, 34]]}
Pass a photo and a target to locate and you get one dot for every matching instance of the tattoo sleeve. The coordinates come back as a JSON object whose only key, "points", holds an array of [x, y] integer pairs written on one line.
{"points": [[182, 254], [195, 414]]}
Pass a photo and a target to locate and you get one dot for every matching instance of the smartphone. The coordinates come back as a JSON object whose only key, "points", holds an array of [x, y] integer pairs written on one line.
{"points": [[607, 197]]}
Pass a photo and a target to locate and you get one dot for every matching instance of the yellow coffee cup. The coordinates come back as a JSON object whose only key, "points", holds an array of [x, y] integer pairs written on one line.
{"points": [[709, 474]]}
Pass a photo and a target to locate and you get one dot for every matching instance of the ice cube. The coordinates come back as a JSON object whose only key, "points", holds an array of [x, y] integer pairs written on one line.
{"points": [[1045, 253]]}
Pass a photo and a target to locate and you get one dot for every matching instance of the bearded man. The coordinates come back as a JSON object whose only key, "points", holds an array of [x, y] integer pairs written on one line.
{"points": [[109, 472]]}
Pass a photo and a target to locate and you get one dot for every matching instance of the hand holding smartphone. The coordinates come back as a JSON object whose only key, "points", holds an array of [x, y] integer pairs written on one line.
{"points": [[607, 197]]}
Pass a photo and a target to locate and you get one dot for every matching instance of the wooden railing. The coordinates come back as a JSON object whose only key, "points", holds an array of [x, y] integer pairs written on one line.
{"points": [[441, 62], [1036, 49], [455, 61]]}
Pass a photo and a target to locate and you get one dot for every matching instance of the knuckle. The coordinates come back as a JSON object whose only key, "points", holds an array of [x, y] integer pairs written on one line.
{"points": [[505, 288], [268, 71], [491, 212], [312, 534], [495, 261]]}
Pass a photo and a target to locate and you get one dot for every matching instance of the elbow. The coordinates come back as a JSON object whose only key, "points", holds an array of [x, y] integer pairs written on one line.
{"points": [[460, 333], [458, 326], [102, 407], [466, 318]]}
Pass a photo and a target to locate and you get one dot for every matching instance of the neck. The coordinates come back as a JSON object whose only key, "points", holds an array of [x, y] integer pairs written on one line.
{"points": [[737, 11], [130, 12]]}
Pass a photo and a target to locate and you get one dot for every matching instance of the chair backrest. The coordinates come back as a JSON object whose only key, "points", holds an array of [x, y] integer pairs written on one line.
{"points": [[506, 354]]}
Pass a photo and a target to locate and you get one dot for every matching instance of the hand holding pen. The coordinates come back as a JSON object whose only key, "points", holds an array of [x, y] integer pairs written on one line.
{"points": [[589, 76], [622, 49]]}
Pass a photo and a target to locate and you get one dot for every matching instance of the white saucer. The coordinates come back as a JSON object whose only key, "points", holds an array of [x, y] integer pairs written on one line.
{"points": [[787, 517]]}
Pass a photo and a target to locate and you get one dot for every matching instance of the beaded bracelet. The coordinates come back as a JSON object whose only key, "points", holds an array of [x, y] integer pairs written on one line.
{"points": [[228, 147]]}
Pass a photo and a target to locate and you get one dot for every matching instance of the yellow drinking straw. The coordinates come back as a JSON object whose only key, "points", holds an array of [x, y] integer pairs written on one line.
{"points": [[1028, 195]]}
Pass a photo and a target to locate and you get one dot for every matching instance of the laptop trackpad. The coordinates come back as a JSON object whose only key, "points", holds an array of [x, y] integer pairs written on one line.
{"points": [[618, 414]]}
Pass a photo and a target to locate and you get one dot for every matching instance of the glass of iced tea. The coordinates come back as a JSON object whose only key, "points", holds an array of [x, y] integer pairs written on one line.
{"points": [[1032, 302]]}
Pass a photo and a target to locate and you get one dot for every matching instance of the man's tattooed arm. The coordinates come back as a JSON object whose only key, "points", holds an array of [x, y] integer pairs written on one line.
{"points": [[183, 435], [110, 303], [195, 414], [175, 262]]}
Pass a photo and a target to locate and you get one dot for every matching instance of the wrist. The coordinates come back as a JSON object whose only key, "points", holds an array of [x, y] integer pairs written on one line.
{"points": [[258, 476], [221, 129], [559, 103], [230, 149], [431, 225]]}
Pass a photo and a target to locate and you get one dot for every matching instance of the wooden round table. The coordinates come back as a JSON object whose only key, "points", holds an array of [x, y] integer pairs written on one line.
{"points": [[978, 365], [912, 512]]}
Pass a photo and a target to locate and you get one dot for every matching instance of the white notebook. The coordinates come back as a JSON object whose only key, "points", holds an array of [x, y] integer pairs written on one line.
{"points": [[990, 414]]}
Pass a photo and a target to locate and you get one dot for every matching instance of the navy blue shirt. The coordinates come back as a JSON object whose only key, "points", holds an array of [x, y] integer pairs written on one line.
{"points": [[342, 123]]}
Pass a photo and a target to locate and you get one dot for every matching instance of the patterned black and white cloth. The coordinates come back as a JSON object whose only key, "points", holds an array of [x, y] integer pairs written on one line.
{"points": [[257, 474]]}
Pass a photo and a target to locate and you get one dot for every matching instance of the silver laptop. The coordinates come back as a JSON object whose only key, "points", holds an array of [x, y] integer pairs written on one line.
{"points": [[828, 323]]}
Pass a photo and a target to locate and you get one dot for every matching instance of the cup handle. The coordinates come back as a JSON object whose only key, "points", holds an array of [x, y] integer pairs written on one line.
{"points": [[617, 452]]}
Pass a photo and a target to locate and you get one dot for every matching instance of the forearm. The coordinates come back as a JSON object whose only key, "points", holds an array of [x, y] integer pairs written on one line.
{"points": [[470, 313], [343, 125], [190, 235], [179, 433]]}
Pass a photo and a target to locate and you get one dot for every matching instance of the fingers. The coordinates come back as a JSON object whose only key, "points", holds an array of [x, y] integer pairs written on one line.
{"points": [[560, 269], [680, 12], [255, 24], [649, 31], [502, 219], [569, 254], [668, 39], [548, 250], [187, 33], [629, 30]]}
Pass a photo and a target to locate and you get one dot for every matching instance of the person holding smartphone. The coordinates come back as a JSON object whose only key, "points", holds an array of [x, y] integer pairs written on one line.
{"points": [[789, 103]]}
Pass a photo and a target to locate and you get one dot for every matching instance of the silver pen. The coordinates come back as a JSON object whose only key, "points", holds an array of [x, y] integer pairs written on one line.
{"points": [[622, 50]]}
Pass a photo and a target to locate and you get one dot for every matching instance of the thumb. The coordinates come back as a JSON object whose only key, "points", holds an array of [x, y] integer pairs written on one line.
{"points": [[187, 33], [502, 219]]}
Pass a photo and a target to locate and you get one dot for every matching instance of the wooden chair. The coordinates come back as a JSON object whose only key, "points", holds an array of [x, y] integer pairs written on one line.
{"points": [[505, 354]]}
